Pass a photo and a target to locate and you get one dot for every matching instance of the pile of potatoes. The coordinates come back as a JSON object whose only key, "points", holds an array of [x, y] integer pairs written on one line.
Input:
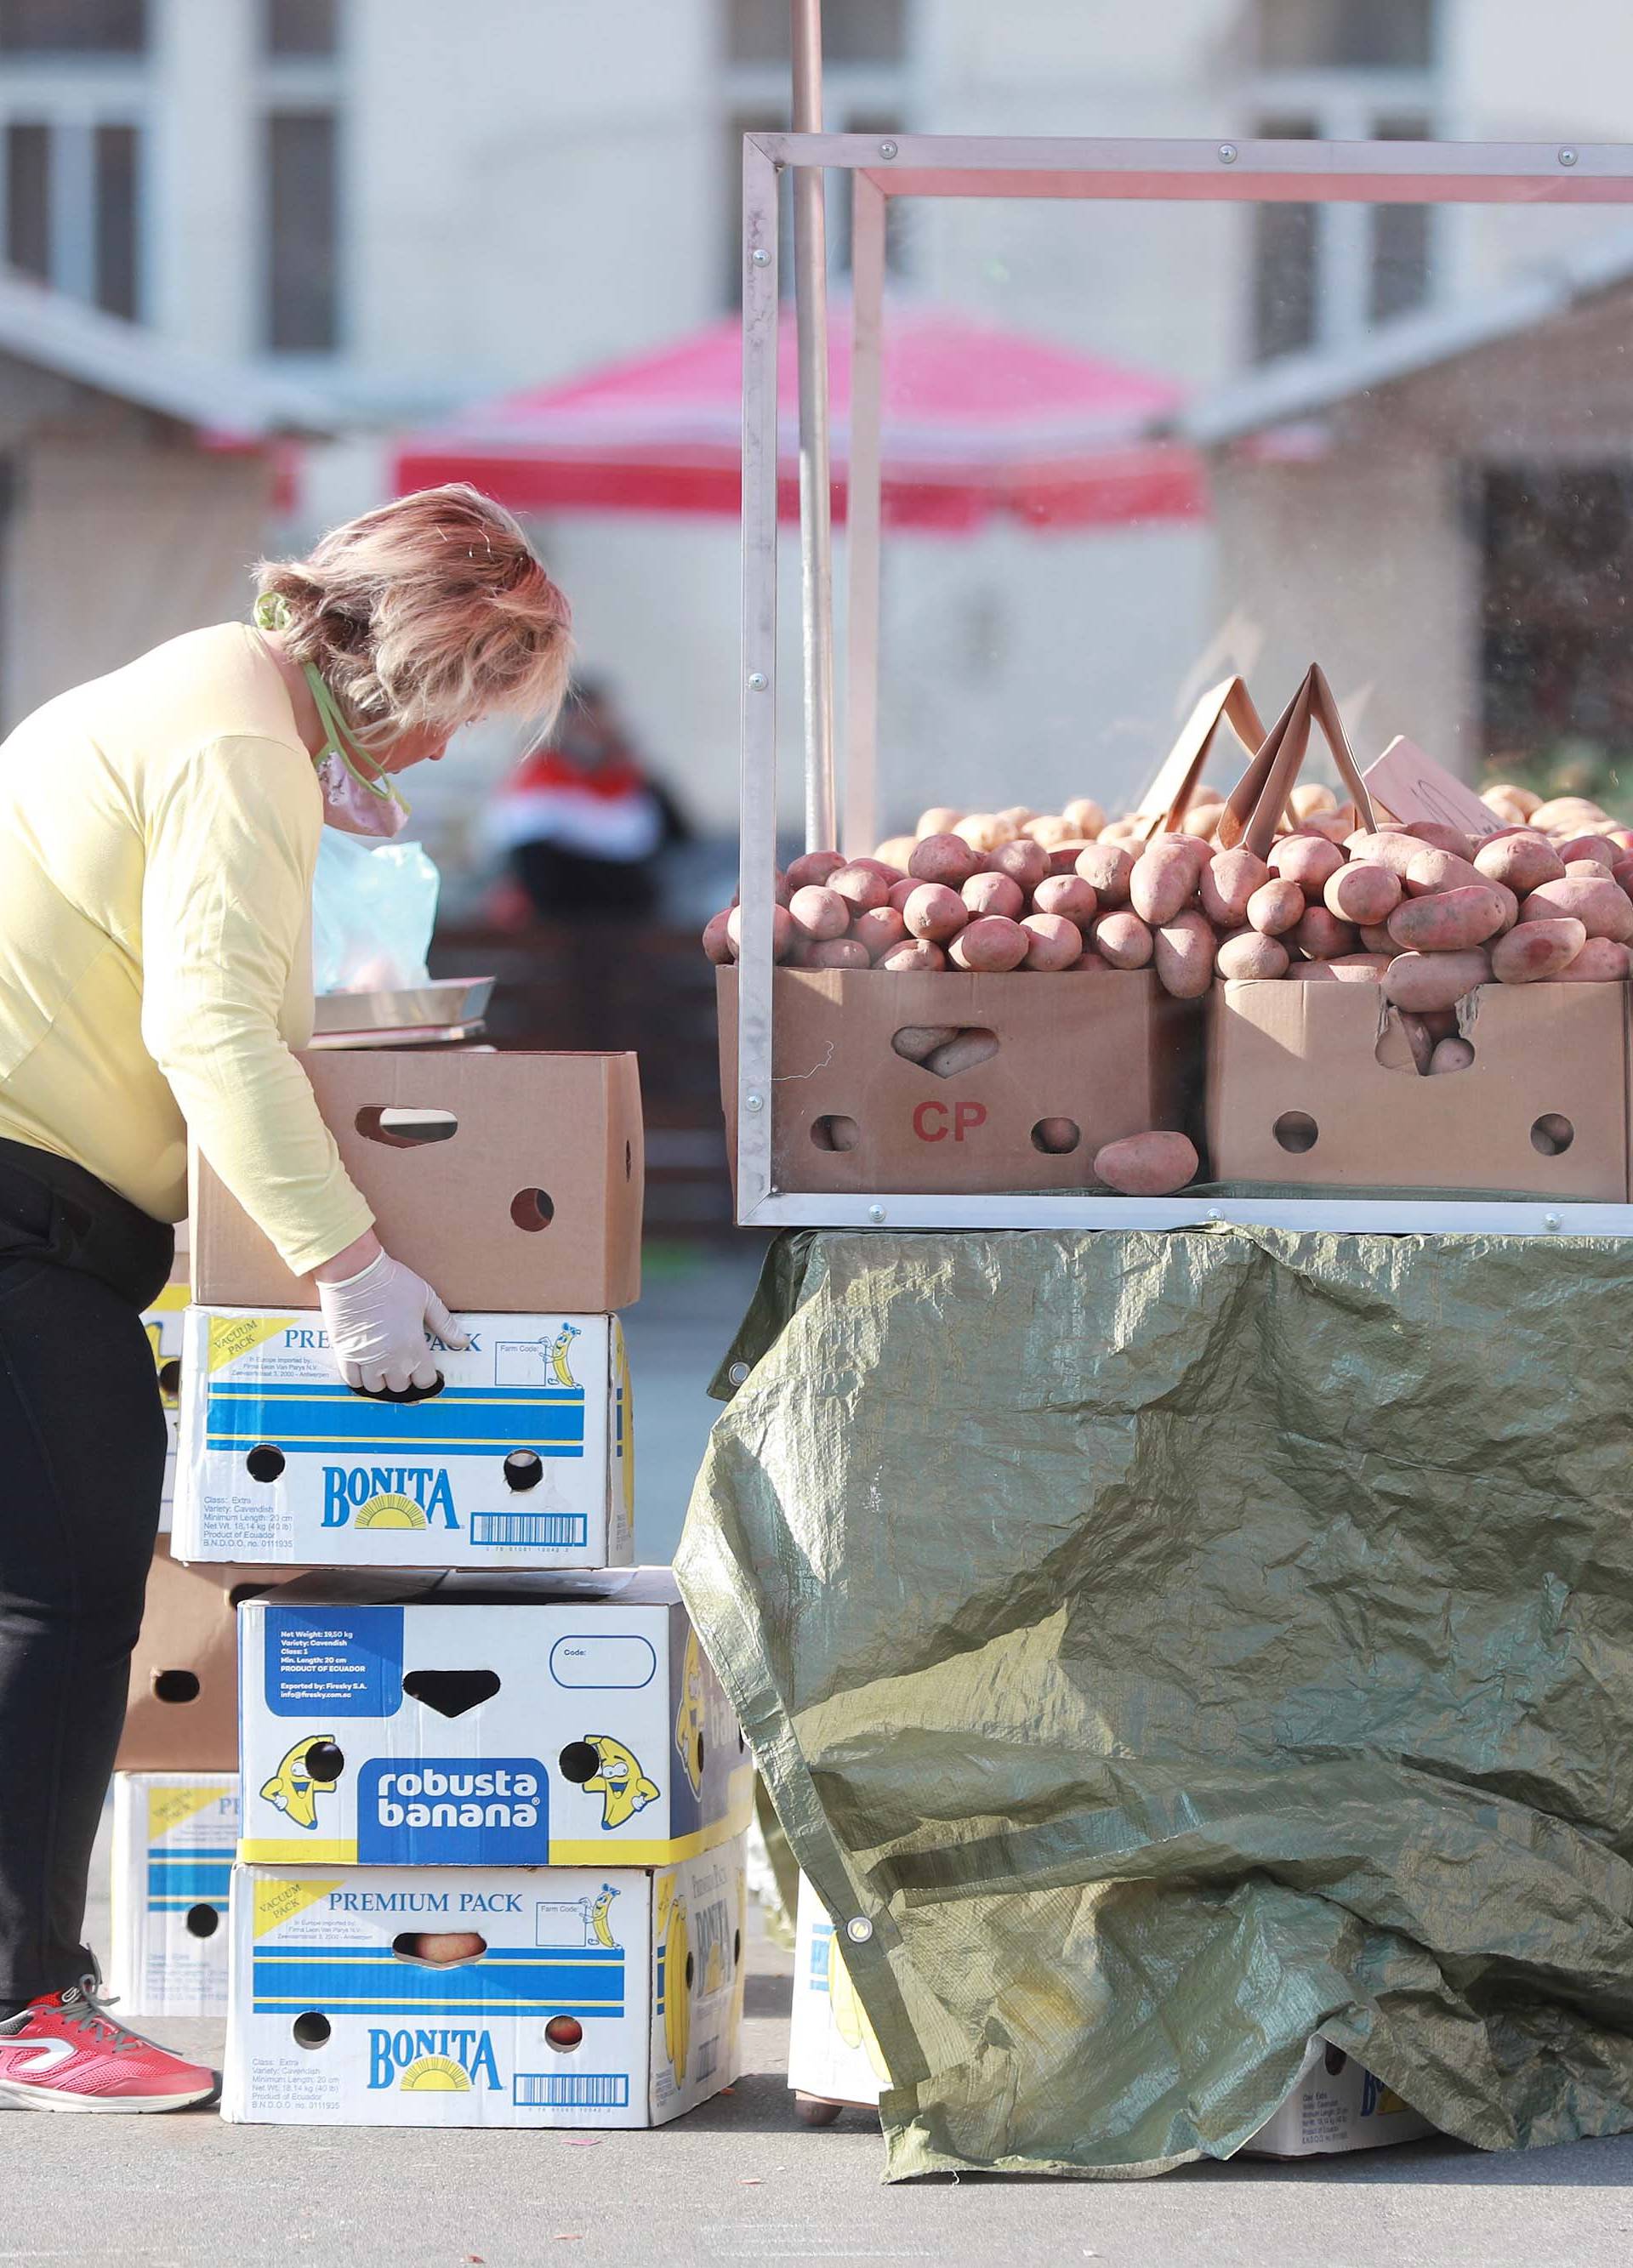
{"points": [[1418, 909]]}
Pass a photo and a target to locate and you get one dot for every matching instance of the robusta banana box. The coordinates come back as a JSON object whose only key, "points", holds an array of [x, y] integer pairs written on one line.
{"points": [[572, 1997], [174, 1834], [529, 1721], [524, 1460], [162, 1322]]}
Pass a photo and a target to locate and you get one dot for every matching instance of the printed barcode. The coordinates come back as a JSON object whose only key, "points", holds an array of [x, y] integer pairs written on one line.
{"points": [[573, 2090], [541, 1527]]}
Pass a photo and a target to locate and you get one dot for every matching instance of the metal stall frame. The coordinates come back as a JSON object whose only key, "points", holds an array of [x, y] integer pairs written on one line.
{"points": [[963, 165]]}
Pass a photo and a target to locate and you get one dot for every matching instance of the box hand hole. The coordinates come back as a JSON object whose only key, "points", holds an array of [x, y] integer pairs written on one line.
{"points": [[202, 1921], [451, 1692], [833, 1132], [1552, 1134], [578, 1762], [325, 1763], [170, 1381], [311, 2030], [264, 1463], [175, 1685], [1057, 1137], [946, 1049], [564, 2032], [532, 1210], [406, 1129], [1296, 1131], [439, 1949], [523, 1470]]}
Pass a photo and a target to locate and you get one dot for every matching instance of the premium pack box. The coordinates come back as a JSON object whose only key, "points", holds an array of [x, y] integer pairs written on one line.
{"points": [[583, 1997], [162, 1322], [1314, 1084], [524, 1459], [1335, 2105], [459, 1723], [182, 1714], [512, 1182], [1112, 1053], [174, 1834]]}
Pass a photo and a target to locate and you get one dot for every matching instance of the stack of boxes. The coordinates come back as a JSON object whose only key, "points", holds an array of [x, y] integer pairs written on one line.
{"points": [[490, 1842]]}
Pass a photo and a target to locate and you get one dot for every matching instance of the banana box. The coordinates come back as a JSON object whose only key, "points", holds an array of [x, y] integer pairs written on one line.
{"points": [[832, 2052], [162, 1322], [1335, 2105], [530, 1721], [174, 1834], [567, 1996], [524, 1459]]}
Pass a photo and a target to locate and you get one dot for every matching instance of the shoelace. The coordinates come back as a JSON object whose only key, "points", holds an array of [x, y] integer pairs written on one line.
{"points": [[84, 2010]]}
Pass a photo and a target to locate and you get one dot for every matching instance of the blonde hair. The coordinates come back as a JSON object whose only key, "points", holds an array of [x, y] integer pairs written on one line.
{"points": [[431, 611]]}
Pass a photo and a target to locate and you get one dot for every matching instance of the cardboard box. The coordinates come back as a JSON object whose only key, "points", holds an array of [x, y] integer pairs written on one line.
{"points": [[512, 1182], [601, 1998], [1296, 1094], [182, 1714], [163, 1324], [1112, 1053], [1335, 2105], [524, 1459], [174, 1834], [459, 1723]]}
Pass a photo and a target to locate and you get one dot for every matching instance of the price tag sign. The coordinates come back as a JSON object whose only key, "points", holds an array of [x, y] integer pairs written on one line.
{"points": [[1413, 785]]}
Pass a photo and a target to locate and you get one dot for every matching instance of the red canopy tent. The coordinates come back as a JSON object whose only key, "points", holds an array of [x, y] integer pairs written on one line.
{"points": [[976, 421]]}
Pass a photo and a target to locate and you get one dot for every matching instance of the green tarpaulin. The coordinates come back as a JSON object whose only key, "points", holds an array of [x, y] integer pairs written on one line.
{"points": [[1162, 1647]]}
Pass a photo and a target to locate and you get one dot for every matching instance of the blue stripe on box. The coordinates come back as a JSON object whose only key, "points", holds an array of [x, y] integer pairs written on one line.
{"points": [[425, 1427], [181, 1879], [513, 1985]]}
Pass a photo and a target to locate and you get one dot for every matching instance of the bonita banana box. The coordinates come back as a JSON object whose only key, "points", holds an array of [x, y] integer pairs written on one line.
{"points": [[174, 1839], [832, 2052], [566, 1997], [532, 1722], [1335, 2105], [162, 1322], [524, 1460]]}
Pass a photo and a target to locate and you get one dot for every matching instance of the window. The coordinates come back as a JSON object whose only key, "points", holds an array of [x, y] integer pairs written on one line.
{"points": [[73, 209], [300, 27], [302, 208], [29, 200], [1329, 71], [66, 28], [854, 30], [114, 254]]}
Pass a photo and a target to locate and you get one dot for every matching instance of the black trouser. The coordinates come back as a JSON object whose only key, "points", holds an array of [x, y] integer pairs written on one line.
{"points": [[82, 1464]]}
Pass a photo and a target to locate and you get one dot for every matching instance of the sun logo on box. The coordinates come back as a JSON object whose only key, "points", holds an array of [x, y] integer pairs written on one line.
{"points": [[434, 2074], [390, 1511]]}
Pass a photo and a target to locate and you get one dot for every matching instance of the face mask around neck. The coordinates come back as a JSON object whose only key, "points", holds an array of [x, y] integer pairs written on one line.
{"points": [[356, 801]]}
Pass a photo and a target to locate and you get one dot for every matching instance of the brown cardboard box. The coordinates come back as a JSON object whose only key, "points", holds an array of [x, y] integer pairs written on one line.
{"points": [[530, 1204], [1112, 1052], [183, 1709], [1302, 1055]]}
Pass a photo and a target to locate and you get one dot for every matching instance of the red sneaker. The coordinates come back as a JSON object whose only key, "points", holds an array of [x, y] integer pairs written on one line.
{"points": [[65, 2052]]}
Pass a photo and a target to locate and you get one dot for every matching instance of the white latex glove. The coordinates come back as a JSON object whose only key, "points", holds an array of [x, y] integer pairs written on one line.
{"points": [[377, 1324]]}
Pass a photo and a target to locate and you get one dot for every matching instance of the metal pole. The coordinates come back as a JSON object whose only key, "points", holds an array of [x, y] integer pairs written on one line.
{"points": [[810, 299], [862, 519]]}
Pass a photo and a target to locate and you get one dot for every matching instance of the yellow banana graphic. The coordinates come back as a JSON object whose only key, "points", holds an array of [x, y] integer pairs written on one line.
{"points": [[618, 1781], [559, 1351], [849, 2016], [599, 1913], [292, 1787], [677, 1990]]}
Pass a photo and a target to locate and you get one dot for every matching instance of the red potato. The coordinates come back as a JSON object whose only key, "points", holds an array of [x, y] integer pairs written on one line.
{"points": [[1185, 950], [1015, 816], [1130, 831], [1440, 1023], [1310, 972], [1201, 820], [1198, 853], [1523, 797], [945, 858], [836, 953], [1450, 922], [1107, 867], [1147, 1165], [717, 943], [1375, 938], [878, 931], [818, 913], [1068, 894], [983, 831], [1366, 895], [918, 1042], [936, 912], [1450, 1055], [964, 1053], [1360, 968], [1085, 814], [1228, 883], [1276, 907], [1310, 797], [1622, 872], [1064, 857], [1250, 954], [862, 888], [1024, 861], [1588, 870], [991, 944], [1321, 936], [900, 892], [1536, 951], [1122, 939], [1452, 840], [1089, 963], [1389, 847], [812, 871], [993, 893], [1164, 878], [1521, 861], [1434, 871], [1600, 962], [1053, 942], [1051, 831], [1421, 981], [1602, 907], [1602, 847], [1306, 859], [783, 932], [896, 853], [918, 957], [941, 819], [1055, 1137], [1334, 827], [1404, 1044]]}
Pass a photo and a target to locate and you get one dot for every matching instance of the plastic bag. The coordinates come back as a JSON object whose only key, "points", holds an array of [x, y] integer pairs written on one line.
{"points": [[373, 908]]}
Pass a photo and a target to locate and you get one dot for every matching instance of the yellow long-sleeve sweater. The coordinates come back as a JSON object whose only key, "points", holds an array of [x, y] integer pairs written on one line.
{"points": [[158, 830]]}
